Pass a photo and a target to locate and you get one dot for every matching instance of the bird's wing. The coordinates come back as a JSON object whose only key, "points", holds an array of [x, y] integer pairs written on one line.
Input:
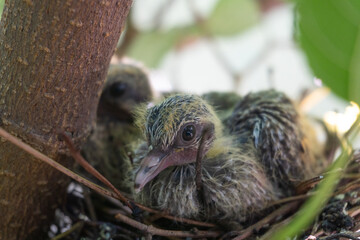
{"points": [[271, 122]]}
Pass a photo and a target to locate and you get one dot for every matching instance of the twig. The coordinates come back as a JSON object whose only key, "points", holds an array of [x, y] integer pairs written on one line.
{"points": [[351, 176], [166, 233], [77, 156], [90, 169], [200, 21], [199, 157], [306, 185], [340, 235], [130, 35], [289, 199], [176, 219], [348, 187], [160, 13], [313, 98], [128, 232], [89, 184], [353, 212], [89, 205], [54, 164], [268, 219], [74, 227]]}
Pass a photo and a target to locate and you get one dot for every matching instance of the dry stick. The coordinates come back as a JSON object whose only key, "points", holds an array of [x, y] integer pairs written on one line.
{"points": [[126, 231], [306, 185], [160, 14], [54, 164], [77, 156], [90, 205], [221, 58], [176, 219], [348, 187], [353, 212], [90, 169], [74, 227], [340, 235], [199, 156], [351, 176], [289, 199], [166, 233], [280, 211], [89, 184]]}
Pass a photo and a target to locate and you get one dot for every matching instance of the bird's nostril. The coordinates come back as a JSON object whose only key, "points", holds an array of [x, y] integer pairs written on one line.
{"points": [[147, 169]]}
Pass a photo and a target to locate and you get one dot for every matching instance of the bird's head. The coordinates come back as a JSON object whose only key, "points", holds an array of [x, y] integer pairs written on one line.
{"points": [[176, 130], [126, 86]]}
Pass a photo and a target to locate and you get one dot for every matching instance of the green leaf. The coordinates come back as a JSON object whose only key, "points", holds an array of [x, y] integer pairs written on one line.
{"points": [[314, 205], [329, 33], [232, 16], [311, 208], [228, 17], [1, 7], [150, 47]]}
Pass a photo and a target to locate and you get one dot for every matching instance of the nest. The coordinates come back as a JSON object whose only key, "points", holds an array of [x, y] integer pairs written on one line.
{"points": [[333, 199], [90, 215]]}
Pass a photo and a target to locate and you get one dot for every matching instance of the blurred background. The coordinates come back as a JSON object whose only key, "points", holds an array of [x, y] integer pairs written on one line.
{"points": [[309, 49]]}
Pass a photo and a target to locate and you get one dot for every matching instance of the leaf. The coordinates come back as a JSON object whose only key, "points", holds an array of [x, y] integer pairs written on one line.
{"points": [[314, 205], [232, 16], [1, 7], [311, 208], [329, 33], [228, 17], [150, 47]]}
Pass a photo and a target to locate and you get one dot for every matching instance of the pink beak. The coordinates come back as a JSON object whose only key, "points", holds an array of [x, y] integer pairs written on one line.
{"points": [[158, 160]]}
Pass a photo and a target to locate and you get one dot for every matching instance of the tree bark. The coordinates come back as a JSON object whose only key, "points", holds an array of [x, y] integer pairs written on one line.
{"points": [[54, 58]]}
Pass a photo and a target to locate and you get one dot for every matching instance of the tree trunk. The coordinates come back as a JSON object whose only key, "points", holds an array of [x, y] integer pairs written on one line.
{"points": [[54, 58]]}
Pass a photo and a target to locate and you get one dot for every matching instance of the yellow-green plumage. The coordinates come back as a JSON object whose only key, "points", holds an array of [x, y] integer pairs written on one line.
{"points": [[240, 162]]}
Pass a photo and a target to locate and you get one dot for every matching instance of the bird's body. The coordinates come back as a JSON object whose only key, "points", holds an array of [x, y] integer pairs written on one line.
{"points": [[270, 121], [233, 191], [223, 102], [240, 163], [114, 136]]}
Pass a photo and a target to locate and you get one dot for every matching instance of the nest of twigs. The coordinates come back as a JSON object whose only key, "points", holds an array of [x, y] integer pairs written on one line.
{"points": [[112, 215], [330, 203], [88, 215]]}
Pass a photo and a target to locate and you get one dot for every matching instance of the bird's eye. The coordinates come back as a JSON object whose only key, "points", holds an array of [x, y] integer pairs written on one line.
{"points": [[117, 89], [188, 133]]}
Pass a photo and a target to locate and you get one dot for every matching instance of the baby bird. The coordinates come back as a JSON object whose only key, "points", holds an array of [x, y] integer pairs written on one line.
{"points": [[126, 86], [111, 142], [262, 140]]}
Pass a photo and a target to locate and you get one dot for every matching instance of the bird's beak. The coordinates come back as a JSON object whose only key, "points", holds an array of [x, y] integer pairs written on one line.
{"points": [[157, 160], [151, 165]]}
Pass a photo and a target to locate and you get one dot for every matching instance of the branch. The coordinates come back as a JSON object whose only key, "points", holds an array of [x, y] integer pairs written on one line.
{"points": [[90, 169], [54, 164], [199, 157], [268, 219], [166, 233], [89, 184]]}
